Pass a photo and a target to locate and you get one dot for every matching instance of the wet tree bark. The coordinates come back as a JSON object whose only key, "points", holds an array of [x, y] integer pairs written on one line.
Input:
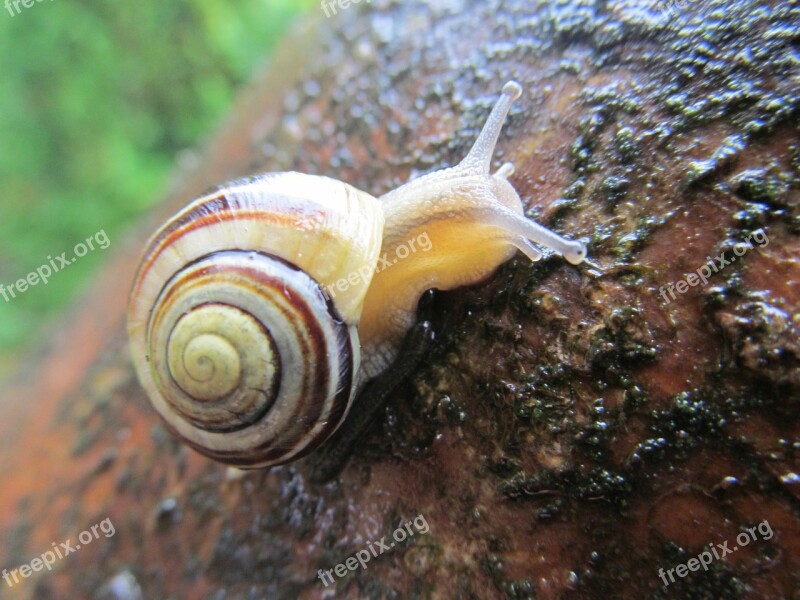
{"points": [[573, 432]]}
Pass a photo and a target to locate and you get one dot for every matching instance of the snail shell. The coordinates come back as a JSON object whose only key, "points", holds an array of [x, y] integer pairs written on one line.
{"points": [[233, 339], [234, 333]]}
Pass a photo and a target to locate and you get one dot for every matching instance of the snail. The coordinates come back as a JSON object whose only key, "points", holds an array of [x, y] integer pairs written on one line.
{"points": [[235, 335]]}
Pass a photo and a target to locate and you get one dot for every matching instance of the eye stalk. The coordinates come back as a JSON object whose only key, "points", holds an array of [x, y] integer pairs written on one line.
{"points": [[575, 253], [478, 162], [479, 159]]}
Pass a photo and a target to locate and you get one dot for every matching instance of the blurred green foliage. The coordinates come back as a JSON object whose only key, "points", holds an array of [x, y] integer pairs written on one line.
{"points": [[96, 99]]}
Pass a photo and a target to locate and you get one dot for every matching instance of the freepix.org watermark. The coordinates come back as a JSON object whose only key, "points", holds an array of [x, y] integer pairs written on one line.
{"points": [[364, 273], [59, 551], [716, 552], [714, 265], [329, 7], [362, 557], [13, 5], [43, 273]]}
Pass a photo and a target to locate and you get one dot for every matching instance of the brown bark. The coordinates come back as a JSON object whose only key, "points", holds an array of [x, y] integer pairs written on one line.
{"points": [[571, 433]]}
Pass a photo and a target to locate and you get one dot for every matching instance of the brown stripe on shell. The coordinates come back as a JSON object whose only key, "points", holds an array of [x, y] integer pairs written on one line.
{"points": [[213, 210], [306, 414], [255, 458], [339, 408], [185, 285], [268, 453], [197, 278]]}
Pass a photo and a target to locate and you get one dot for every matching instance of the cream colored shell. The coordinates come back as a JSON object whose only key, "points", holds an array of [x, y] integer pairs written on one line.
{"points": [[232, 334]]}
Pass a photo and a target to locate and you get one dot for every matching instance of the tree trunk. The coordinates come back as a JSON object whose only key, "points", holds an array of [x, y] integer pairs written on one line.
{"points": [[573, 432]]}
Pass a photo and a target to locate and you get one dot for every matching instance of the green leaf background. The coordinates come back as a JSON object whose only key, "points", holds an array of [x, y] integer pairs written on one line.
{"points": [[96, 100]]}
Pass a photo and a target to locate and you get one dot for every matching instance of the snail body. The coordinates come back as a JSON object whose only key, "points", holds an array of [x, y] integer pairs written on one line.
{"points": [[233, 337]]}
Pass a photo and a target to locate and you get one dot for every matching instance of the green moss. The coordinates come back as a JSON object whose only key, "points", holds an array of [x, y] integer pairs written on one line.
{"points": [[614, 189], [690, 420], [630, 243], [595, 436], [626, 145], [574, 484], [575, 189], [762, 185], [521, 590], [623, 342], [699, 170]]}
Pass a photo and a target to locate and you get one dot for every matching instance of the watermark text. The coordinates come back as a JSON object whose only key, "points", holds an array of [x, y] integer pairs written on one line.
{"points": [[43, 273], [714, 265], [12, 6], [59, 551], [362, 557], [716, 552], [329, 7], [366, 272]]}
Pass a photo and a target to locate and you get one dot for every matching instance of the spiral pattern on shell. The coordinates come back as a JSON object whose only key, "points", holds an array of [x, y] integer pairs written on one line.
{"points": [[232, 333], [238, 348]]}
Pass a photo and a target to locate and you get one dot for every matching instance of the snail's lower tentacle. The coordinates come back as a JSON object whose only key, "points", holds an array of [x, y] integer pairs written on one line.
{"points": [[506, 171], [331, 459]]}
